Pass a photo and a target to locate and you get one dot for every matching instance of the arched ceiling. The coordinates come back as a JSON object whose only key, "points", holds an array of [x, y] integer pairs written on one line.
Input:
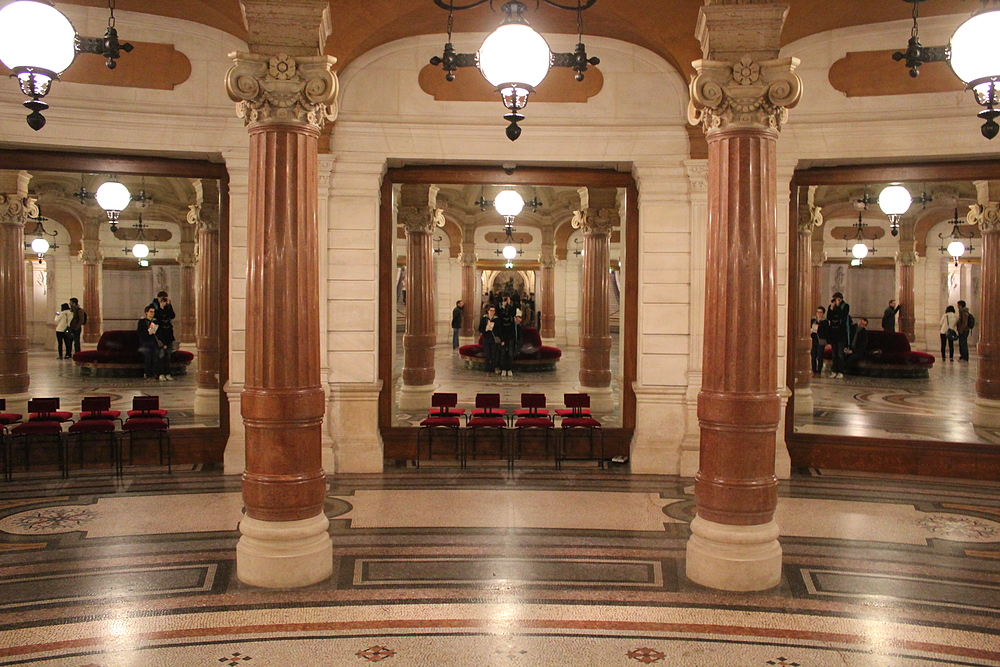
{"points": [[665, 27]]}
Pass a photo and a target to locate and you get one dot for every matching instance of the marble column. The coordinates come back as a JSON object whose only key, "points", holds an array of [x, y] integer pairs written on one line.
{"points": [[93, 263], [906, 260], [209, 321], [809, 217], [818, 261], [419, 215], [15, 208], [597, 217], [188, 259], [986, 214], [470, 286], [284, 101], [740, 96], [547, 298]]}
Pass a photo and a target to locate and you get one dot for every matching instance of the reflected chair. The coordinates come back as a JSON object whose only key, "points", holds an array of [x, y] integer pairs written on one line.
{"points": [[144, 421], [146, 407], [532, 415], [47, 410], [99, 407], [96, 419], [443, 415], [34, 432], [7, 418], [578, 418], [487, 415]]}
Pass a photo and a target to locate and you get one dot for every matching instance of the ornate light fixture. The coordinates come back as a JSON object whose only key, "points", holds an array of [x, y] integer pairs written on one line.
{"points": [[40, 245], [113, 197], [37, 43], [140, 249], [894, 201], [859, 249], [956, 241], [514, 58], [972, 55], [509, 252]]}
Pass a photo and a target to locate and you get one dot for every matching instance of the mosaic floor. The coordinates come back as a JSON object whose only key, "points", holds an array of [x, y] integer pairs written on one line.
{"points": [[469, 568]]}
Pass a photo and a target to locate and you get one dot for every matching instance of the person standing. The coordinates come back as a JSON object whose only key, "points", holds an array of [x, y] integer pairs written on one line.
{"points": [[150, 346], [164, 318], [948, 322], [505, 331], [487, 327], [889, 316], [963, 329], [859, 345], [63, 334], [456, 322], [819, 331], [838, 318], [76, 324]]}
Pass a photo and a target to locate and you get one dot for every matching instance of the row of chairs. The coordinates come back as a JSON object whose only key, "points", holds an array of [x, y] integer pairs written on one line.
{"points": [[96, 424], [533, 415]]}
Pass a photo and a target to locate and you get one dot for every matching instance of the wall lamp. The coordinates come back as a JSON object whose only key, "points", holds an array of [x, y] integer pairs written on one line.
{"points": [[40, 245]]}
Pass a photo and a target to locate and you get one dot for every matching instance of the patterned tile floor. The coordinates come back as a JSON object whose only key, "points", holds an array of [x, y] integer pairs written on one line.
{"points": [[442, 567]]}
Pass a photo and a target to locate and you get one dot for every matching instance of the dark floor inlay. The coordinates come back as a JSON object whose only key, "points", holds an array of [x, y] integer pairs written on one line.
{"points": [[376, 653], [646, 655], [966, 595]]}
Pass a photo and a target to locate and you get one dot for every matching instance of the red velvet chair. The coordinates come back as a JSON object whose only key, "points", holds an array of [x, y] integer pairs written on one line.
{"points": [[147, 406], [532, 415], [36, 431], [98, 408], [7, 418], [578, 418], [488, 415], [145, 419], [47, 410], [443, 415]]}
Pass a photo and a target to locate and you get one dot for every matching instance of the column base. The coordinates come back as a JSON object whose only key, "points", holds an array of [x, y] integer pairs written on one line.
{"points": [[734, 558], [804, 402], [206, 402], [986, 413], [602, 399], [284, 554], [416, 399]]}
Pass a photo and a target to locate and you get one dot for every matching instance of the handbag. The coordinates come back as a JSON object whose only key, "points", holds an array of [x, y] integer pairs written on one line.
{"points": [[952, 335]]}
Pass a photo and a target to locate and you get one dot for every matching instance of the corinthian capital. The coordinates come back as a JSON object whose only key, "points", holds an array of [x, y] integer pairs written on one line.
{"points": [[987, 216], [283, 89], [747, 93], [90, 255], [16, 209], [908, 258], [467, 259], [596, 220], [416, 219]]}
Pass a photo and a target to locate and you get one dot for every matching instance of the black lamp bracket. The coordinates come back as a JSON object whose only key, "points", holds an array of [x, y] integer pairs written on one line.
{"points": [[917, 54]]}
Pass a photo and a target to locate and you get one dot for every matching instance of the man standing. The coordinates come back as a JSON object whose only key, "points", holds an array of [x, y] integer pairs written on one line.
{"points": [[164, 317], [859, 346], [150, 345], [838, 316], [456, 322], [76, 324], [889, 316], [962, 327]]}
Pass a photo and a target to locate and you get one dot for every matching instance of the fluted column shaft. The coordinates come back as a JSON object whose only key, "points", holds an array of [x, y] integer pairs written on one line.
{"points": [[93, 262], [470, 289], [907, 260], [188, 260], [547, 278], [816, 296], [207, 292], [15, 208], [804, 307], [417, 214], [987, 215], [595, 315]]}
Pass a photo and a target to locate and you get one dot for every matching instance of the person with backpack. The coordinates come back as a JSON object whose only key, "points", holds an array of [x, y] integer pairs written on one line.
{"points": [[964, 326], [76, 324]]}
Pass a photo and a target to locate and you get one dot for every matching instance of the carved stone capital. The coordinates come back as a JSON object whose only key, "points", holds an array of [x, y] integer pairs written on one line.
{"points": [[187, 257], [418, 219], [467, 259], [908, 258], [547, 260], [91, 256], [747, 93], [987, 216], [697, 173], [594, 221], [282, 89], [810, 216], [16, 209], [819, 259]]}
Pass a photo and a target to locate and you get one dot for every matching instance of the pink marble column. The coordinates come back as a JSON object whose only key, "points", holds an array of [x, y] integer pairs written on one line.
{"points": [[188, 259], [284, 101], [906, 260], [15, 208], [809, 218], [598, 217], [470, 286], [418, 215], [818, 261], [986, 214], [547, 298], [93, 263], [740, 97], [209, 322]]}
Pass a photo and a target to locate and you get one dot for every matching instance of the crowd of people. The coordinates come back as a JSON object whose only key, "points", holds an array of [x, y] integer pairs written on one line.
{"points": [[501, 336]]}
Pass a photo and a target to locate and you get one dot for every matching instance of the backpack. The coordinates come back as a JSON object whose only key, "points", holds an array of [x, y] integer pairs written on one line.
{"points": [[970, 321]]}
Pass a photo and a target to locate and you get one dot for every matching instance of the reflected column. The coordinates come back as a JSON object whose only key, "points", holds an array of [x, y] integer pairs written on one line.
{"points": [[209, 321], [547, 278], [986, 214], [93, 262], [809, 217], [284, 101], [906, 260], [597, 217], [188, 259], [418, 214], [15, 208], [470, 286], [740, 98]]}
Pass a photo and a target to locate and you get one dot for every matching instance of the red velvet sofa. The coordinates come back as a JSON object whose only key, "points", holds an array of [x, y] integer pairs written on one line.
{"points": [[118, 353], [533, 356], [889, 356]]}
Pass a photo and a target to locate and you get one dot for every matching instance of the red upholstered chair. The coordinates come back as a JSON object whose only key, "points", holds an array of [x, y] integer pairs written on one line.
{"points": [[578, 418], [47, 410], [488, 415], [147, 406], [98, 408], [443, 415], [7, 418], [35, 432], [147, 419], [532, 415]]}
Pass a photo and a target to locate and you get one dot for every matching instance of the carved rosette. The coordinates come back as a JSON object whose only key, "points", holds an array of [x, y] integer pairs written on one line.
{"points": [[987, 216], [15, 210], [418, 218], [282, 89], [746, 94], [908, 258]]}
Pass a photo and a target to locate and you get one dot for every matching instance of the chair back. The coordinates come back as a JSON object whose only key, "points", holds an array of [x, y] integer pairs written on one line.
{"points": [[533, 401], [488, 401], [146, 403], [444, 400], [95, 404], [43, 405], [577, 402], [3, 403]]}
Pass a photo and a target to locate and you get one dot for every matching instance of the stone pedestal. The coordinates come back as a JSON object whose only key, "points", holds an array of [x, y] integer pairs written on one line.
{"points": [[15, 208], [986, 410], [741, 104], [284, 101]]}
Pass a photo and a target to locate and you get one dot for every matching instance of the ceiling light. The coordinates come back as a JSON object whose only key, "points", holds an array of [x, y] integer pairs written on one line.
{"points": [[956, 247], [113, 198], [894, 201], [40, 245], [508, 203]]}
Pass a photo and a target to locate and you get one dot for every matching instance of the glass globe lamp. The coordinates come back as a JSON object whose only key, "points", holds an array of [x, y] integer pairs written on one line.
{"points": [[855, 262], [975, 59], [140, 250], [894, 201], [956, 249], [113, 198], [859, 250], [509, 252], [39, 246], [143, 262], [508, 203]]}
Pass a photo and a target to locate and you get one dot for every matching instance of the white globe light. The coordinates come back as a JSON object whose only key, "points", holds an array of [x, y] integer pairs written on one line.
{"points": [[894, 200], [33, 34], [113, 196], [514, 53], [975, 51], [860, 250], [140, 250], [39, 246], [508, 203], [956, 248], [509, 252]]}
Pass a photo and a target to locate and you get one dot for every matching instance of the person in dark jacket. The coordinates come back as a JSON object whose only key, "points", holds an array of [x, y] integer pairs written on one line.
{"points": [[505, 331], [819, 331], [152, 348], [838, 318], [889, 316], [456, 322], [491, 348], [859, 346]]}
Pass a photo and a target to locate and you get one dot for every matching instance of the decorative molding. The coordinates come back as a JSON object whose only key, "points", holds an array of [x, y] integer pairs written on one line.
{"points": [[908, 258], [987, 216], [599, 221], [91, 256], [187, 257], [467, 259], [746, 94], [697, 173], [283, 89], [417, 219], [15, 209]]}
